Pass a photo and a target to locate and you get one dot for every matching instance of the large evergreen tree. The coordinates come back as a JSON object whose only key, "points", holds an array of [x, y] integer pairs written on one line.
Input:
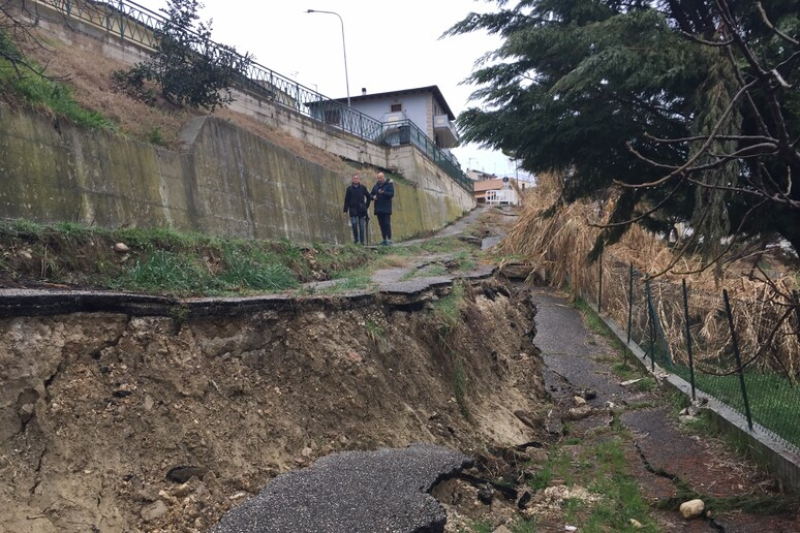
{"points": [[691, 107]]}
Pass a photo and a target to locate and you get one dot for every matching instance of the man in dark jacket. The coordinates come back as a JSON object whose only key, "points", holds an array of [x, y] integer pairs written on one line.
{"points": [[382, 194], [356, 203]]}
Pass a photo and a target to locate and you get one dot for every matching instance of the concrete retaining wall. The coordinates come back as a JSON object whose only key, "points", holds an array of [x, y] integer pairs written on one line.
{"points": [[228, 182]]}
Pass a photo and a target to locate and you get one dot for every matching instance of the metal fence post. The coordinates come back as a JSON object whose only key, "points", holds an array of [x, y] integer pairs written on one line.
{"points": [[630, 303], [652, 324], [688, 338], [600, 287], [121, 18], [739, 369]]}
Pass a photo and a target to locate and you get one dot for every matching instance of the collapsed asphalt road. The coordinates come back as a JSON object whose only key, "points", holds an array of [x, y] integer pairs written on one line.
{"points": [[353, 492]]}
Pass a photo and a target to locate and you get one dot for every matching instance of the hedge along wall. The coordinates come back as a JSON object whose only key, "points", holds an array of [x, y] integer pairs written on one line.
{"points": [[227, 182]]}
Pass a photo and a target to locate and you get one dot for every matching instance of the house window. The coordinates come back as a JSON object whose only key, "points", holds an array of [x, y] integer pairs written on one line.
{"points": [[396, 108]]}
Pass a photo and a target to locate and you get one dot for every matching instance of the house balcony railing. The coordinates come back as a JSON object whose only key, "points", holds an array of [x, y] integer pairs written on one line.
{"points": [[134, 23]]}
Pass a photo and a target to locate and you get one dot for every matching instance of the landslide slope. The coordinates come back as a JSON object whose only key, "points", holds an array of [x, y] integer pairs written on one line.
{"points": [[96, 409]]}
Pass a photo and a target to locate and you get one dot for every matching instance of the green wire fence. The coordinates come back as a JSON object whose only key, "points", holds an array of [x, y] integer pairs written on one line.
{"points": [[741, 352]]}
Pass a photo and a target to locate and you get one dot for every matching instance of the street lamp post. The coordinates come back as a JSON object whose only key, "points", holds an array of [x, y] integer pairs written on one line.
{"points": [[344, 49]]}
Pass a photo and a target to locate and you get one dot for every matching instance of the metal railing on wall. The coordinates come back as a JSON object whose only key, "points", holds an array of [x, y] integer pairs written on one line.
{"points": [[131, 22]]}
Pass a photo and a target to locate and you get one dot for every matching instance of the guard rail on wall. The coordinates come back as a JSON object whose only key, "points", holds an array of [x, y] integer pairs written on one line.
{"points": [[132, 22]]}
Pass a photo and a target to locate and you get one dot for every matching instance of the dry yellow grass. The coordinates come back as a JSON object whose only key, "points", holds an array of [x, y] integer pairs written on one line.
{"points": [[89, 72], [559, 245]]}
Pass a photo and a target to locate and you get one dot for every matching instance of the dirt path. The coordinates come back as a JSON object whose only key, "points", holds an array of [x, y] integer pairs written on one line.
{"points": [[663, 458]]}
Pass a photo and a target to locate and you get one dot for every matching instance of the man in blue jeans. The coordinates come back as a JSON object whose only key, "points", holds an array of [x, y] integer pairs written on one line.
{"points": [[382, 194], [356, 203]]}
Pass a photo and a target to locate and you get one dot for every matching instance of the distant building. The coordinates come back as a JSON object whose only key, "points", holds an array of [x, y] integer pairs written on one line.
{"points": [[498, 191], [478, 175]]}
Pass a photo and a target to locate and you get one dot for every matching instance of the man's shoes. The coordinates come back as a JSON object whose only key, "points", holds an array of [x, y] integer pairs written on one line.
{"points": [[384, 243], [389, 242]]}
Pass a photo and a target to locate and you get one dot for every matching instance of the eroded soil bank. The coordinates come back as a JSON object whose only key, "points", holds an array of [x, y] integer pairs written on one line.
{"points": [[97, 409]]}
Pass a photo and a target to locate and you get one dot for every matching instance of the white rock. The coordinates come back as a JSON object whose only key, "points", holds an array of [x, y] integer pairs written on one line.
{"points": [[502, 529], [692, 509], [636, 524], [579, 401], [121, 247], [154, 511]]}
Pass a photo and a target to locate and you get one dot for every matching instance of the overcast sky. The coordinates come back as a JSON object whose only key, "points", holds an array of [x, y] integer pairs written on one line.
{"points": [[390, 46]]}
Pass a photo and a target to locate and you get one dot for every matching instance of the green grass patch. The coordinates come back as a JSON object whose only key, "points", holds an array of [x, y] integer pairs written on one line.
{"points": [[464, 261], [605, 474], [593, 321], [374, 330], [771, 396], [448, 308], [160, 238], [624, 370], [38, 91], [349, 280], [257, 271], [166, 261], [442, 244], [160, 269]]}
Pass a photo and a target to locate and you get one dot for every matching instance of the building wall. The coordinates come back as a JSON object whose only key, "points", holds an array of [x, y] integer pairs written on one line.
{"points": [[414, 105]]}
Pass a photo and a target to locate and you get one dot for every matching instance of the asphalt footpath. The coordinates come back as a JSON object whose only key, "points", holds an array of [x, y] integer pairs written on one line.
{"points": [[660, 455]]}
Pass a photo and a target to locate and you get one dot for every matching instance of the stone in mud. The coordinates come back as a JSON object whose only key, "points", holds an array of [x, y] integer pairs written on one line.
{"points": [[692, 509], [182, 474]]}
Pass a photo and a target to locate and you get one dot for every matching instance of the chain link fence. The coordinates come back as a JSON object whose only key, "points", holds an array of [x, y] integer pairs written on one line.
{"points": [[742, 352]]}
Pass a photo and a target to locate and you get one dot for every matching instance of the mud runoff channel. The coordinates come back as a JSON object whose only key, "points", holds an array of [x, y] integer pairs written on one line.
{"points": [[161, 420]]}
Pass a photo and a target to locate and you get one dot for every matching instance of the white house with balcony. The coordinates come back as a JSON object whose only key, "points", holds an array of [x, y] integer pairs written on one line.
{"points": [[424, 107]]}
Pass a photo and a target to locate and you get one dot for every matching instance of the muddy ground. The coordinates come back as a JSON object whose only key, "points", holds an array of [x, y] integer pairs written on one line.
{"points": [[99, 410]]}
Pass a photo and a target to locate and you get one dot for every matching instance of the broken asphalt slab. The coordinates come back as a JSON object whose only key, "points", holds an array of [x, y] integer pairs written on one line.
{"points": [[353, 492]]}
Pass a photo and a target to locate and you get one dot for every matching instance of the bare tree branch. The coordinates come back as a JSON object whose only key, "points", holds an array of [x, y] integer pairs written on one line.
{"points": [[771, 26]]}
